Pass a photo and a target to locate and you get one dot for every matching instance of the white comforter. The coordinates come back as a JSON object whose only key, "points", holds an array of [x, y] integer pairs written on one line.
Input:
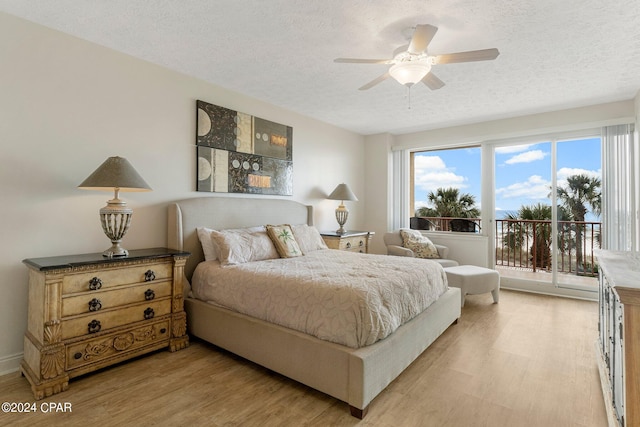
{"points": [[343, 297]]}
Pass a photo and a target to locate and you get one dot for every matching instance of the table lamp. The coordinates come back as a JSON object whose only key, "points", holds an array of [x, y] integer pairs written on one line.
{"points": [[116, 174], [342, 192]]}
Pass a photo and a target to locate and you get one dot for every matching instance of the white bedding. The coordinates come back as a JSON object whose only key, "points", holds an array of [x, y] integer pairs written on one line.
{"points": [[338, 296]]}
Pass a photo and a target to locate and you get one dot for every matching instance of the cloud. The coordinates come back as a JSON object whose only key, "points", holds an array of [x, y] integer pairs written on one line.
{"points": [[513, 148], [431, 173], [527, 157], [534, 188], [563, 173]]}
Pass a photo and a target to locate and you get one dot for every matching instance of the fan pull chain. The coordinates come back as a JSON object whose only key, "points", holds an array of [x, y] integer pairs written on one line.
{"points": [[409, 96]]}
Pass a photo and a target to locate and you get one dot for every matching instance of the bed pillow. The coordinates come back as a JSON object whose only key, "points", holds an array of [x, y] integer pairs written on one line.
{"points": [[245, 245], [284, 240], [208, 247], [421, 246], [308, 238]]}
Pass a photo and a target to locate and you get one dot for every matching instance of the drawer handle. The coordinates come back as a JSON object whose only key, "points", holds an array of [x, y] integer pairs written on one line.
{"points": [[149, 313], [94, 326], [77, 356], [149, 275], [95, 304], [348, 245], [149, 294], [95, 284], [163, 330], [361, 242]]}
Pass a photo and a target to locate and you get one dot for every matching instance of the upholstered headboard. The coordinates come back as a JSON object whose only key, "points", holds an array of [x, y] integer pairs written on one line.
{"points": [[220, 213]]}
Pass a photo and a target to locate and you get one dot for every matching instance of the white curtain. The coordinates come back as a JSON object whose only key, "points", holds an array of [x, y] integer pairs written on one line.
{"points": [[400, 191], [619, 188]]}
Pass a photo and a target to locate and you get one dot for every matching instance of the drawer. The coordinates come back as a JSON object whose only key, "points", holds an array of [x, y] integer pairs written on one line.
{"points": [[116, 276], [94, 350], [100, 321], [94, 301], [355, 244]]}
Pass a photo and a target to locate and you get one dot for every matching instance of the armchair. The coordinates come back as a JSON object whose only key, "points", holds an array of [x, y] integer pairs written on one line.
{"points": [[393, 241]]}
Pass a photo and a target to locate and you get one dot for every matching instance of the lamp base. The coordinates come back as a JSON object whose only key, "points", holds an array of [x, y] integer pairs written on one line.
{"points": [[115, 219], [342, 213], [115, 251]]}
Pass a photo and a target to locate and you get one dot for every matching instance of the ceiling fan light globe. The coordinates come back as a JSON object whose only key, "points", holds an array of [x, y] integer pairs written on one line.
{"points": [[410, 73]]}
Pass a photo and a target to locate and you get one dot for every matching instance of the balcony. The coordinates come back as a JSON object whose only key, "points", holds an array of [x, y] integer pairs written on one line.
{"points": [[523, 247]]}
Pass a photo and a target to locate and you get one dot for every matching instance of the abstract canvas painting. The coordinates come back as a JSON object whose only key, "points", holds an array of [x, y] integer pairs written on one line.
{"points": [[239, 153]]}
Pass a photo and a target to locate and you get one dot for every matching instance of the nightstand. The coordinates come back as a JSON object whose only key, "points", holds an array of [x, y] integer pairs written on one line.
{"points": [[352, 241], [87, 312]]}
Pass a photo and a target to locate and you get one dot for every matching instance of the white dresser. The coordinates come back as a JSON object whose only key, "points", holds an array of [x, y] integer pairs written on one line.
{"points": [[619, 335]]}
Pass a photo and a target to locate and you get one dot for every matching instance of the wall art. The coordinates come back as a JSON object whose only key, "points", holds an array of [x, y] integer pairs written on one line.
{"points": [[240, 153]]}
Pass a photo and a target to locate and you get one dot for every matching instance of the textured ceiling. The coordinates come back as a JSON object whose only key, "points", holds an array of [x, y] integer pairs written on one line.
{"points": [[554, 54]]}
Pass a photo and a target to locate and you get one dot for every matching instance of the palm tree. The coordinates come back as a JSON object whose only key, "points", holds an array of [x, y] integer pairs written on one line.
{"points": [[448, 202], [519, 233], [581, 191]]}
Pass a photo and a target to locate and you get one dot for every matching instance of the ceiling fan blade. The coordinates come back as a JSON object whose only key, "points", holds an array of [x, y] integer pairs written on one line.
{"points": [[422, 36], [375, 81], [401, 49], [363, 61], [470, 56], [432, 82]]}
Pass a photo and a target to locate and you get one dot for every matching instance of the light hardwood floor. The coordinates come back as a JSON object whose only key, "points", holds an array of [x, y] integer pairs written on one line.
{"points": [[527, 361]]}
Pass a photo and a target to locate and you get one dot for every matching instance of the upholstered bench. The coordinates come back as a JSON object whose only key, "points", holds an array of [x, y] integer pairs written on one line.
{"points": [[474, 280]]}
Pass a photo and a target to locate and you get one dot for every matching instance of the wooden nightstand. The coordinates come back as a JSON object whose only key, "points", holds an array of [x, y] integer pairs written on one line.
{"points": [[87, 312], [353, 241]]}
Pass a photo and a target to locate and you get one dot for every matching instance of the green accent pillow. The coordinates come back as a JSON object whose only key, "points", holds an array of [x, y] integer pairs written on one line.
{"points": [[284, 240]]}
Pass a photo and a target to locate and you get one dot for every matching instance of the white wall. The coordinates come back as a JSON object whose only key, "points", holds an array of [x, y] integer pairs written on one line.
{"points": [[66, 105], [377, 191]]}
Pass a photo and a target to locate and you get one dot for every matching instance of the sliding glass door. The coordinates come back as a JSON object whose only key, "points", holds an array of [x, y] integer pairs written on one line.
{"points": [[578, 192], [547, 211], [523, 211]]}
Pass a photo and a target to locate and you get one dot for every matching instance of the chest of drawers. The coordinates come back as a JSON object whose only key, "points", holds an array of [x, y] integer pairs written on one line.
{"points": [[87, 312]]}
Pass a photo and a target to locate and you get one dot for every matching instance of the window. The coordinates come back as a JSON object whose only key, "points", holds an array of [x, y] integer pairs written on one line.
{"points": [[446, 184]]}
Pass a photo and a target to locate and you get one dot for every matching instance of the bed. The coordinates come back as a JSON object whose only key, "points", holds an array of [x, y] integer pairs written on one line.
{"points": [[353, 375]]}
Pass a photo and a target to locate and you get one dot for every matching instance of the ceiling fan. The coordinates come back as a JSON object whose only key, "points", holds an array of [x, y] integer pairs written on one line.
{"points": [[412, 64]]}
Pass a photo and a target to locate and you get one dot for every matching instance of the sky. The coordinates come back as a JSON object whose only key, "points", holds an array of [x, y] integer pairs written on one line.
{"points": [[522, 172]]}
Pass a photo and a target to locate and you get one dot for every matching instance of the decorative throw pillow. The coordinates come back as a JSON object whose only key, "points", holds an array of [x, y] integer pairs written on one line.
{"points": [[421, 246], [308, 238], [284, 240], [240, 246]]}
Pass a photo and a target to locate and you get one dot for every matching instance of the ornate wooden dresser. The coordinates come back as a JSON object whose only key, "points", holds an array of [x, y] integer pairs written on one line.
{"points": [[87, 312]]}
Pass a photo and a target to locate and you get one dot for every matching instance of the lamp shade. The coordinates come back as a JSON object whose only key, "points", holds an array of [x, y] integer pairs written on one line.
{"points": [[342, 192], [115, 172], [410, 73]]}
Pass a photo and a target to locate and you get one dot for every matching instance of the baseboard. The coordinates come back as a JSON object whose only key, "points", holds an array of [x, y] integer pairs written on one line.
{"points": [[10, 364], [547, 289]]}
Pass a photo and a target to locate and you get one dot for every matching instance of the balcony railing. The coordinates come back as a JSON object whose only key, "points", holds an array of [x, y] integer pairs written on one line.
{"points": [[527, 244]]}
